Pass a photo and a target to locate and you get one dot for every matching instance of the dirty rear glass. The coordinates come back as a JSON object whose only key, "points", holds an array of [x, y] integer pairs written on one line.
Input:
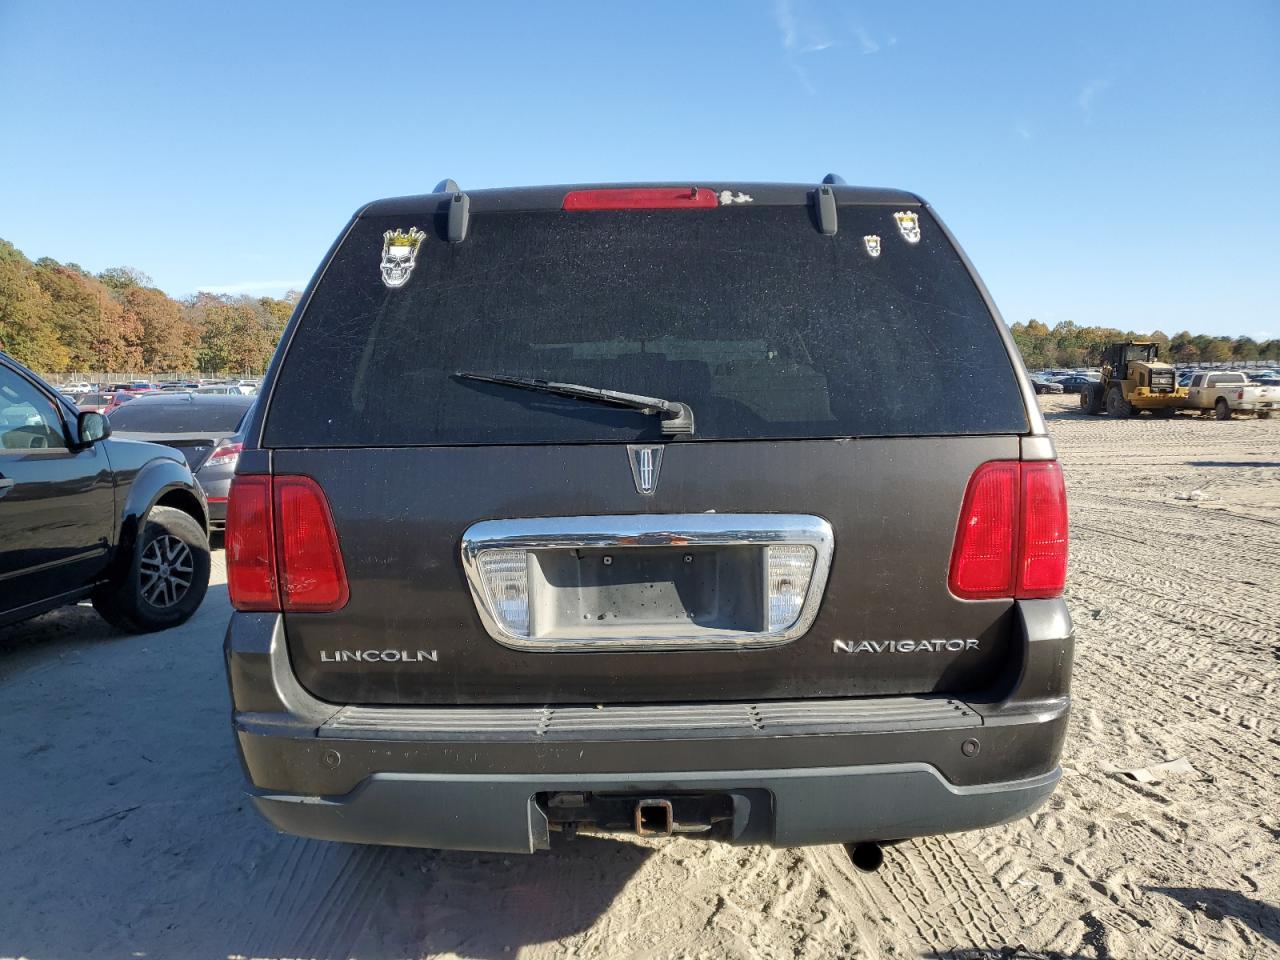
{"points": [[767, 328]]}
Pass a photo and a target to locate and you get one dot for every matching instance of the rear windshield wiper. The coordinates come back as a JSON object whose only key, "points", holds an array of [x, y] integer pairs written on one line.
{"points": [[677, 417]]}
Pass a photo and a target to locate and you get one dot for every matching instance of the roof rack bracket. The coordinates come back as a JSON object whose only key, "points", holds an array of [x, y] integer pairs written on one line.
{"points": [[459, 217], [824, 204]]}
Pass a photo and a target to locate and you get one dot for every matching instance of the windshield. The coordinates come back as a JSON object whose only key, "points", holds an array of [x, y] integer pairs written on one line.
{"points": [[174, 418], [762, 325]]}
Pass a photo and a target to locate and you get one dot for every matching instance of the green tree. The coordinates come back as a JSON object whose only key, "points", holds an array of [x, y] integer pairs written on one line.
{"points": [[1216, 350], [1245, 348], [122, 278]]}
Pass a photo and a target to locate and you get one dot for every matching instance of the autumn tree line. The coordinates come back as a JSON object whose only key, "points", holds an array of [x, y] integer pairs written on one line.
{"points": [[59, 318], [1069, 345]]}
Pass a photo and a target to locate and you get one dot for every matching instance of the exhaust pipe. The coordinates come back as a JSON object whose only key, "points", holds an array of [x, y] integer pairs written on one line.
{"points": [[867, 857]]}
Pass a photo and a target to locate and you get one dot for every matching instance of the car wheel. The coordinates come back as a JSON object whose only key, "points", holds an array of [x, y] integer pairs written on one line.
{"points": [[1222, 409], [166, 580], [1264, 414]]}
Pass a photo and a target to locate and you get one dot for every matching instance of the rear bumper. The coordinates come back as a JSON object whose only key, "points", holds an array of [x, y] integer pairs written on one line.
{"points": [[788, 807], [800, 772]]}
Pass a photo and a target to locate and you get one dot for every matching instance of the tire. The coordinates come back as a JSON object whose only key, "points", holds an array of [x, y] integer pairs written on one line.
{"points": [[1222, 409], [1091, 400], [1264, 414], [151, 595], [1117, 405]]}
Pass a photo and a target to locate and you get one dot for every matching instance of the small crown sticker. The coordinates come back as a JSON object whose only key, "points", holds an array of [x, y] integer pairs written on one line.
{"points": [[398, 238]]}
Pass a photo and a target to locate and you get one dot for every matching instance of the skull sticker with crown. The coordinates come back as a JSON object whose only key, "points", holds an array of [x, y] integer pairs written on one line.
{"points": [[908, 225], [399, 253]]}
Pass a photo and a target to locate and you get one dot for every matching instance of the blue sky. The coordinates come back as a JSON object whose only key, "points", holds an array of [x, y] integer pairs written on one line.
{"points": [[1107, 163]]}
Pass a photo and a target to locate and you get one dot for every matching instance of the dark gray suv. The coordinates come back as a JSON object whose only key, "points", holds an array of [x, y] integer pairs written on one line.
{"points": [[721, 509]]}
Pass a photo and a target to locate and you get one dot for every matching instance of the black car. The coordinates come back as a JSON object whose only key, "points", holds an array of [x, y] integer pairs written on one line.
{"points": [[665, 543], [206, 429], [84, 514], [1075, 383]]}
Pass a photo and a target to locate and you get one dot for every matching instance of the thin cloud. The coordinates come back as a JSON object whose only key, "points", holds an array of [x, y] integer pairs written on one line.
{"points": [[1088, 94], [1023, 131], [252, 286], [865, 41], [801, 35]]}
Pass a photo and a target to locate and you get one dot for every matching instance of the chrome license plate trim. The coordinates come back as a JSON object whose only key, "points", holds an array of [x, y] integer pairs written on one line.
{"points": [[642, 531]]}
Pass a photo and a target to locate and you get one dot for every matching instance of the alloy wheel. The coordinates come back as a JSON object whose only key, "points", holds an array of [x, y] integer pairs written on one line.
{"points": [[166, 571]]}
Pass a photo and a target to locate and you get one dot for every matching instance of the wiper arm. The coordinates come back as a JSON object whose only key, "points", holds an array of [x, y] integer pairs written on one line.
{"points": [[677, 417]]}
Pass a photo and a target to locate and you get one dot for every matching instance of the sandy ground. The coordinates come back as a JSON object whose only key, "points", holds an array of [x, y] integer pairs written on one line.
{"points": [[122, 832]]}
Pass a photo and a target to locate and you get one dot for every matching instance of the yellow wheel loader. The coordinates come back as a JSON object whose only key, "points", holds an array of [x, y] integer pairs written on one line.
{"points": [[1133, 380]]}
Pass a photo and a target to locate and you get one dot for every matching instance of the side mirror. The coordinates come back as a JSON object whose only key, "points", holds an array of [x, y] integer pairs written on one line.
{"points": [[92, 427]]}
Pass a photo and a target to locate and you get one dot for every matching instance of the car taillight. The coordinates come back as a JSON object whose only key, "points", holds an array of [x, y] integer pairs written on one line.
{"points": [[1012, 536], [225, 453], [251, 553], [1042, 557], [282, 547], [312, 578], [640, 198]]}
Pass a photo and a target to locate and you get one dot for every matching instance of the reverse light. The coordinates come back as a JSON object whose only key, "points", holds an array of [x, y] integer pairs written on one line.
{"points": [[282, 548], [1012, 537], [641, 198], [224, 453], [788, 570], [505, 575]]}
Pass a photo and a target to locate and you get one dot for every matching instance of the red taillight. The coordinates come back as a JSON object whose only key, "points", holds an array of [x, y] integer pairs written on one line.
{"points": [[1012, 537], [312, 578], [640, 198], [251, 554], [225, 453], [982, 561], [1042, 557], [282, 547]]}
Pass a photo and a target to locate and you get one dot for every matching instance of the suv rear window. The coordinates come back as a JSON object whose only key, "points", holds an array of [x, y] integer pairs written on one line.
{"points": [[765, 327]]}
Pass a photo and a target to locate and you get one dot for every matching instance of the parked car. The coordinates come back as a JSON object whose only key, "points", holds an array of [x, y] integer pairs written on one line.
{"points": [[1040, 385], [225, 390], [640, 555], [86, 515], [1231, 392], [1075, 382], [206, 430], [103, 402]]}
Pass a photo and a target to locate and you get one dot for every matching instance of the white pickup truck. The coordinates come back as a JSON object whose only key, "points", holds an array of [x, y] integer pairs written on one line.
{"points": [[1226, 392]]}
